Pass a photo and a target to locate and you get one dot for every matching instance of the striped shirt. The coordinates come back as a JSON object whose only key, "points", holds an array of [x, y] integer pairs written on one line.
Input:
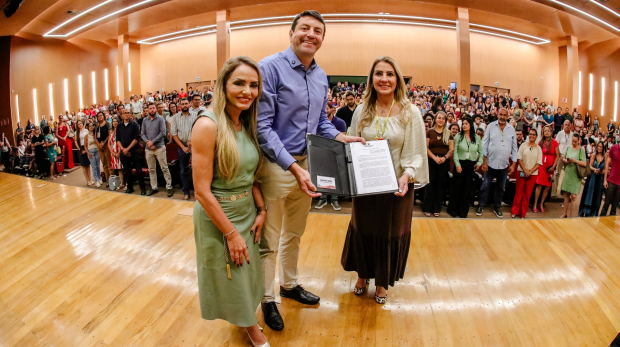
{"points": [[181, 125]]}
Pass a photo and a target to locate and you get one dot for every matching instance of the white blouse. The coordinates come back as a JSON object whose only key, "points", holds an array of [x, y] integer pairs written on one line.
{"points": [[407, 142]]}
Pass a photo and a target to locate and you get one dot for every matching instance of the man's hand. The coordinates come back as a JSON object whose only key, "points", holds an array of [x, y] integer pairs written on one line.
{"points": [[485, 166], [303, 180], [125, 151], [149, 144], [605, 184], [460, 169], [185, 149], [511, 169], [348, 139]]}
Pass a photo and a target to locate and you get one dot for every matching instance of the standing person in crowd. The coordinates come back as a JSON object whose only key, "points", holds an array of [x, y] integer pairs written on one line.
{"points": [[571, 184], [19, 132], [568, 116], [65, 141], [196, 109], [50, 143], [342, 127], [529, 159], [558, 121], [593, 188], [578, 123], [38, 141], [518, 117], [153, 133], [162, 113], [381, 224], [230, 212], [83, 152], [102, 133], [115, 153], [43, 122], [463, 99], [5, 146], [610, 126], [440, 147], [467, 158], [499, 146], [551, 157], [346, 113], [136, 107], [52, 123], [611, 181], [128, 133], [595, 124], [294, 93], [29, 128], [181, 131], [564, 139], [587, 121], [93, 153]]}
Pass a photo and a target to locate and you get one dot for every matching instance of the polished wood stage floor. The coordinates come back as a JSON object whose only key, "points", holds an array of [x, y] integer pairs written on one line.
{"points": [[81, 267]]}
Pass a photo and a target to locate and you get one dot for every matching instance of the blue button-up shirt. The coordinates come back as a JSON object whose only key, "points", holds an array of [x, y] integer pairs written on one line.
{"points": [[292, 105], [499, 146]]}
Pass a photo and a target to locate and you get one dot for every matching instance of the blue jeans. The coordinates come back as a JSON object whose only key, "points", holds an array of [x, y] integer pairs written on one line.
{"points": [[186, 173], [94, 163], [324, 197], [500, 176]]}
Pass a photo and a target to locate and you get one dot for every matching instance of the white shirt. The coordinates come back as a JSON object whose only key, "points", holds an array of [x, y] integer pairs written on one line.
{"points": [[564, 140], [136, 107], [194, 111]]}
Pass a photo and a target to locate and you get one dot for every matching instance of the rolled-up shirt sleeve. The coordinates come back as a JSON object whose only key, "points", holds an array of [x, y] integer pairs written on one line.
{"points": [[268, 139], [326, 127]]}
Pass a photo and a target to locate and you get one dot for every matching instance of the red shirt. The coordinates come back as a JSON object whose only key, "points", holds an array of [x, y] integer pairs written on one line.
{"points": [[614, 167], [183, 95]]}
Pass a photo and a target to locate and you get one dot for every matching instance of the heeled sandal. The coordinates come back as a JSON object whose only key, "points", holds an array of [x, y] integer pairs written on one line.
{"points": [[360, 291], [381, 299], [427, 214]]}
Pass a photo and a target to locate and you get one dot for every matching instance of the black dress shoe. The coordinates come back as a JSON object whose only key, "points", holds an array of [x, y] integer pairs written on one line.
{"points": [[479, 211], [170, 192], [272, 316], [151, 192], [300, 294], [129, 191], [142, 192]]}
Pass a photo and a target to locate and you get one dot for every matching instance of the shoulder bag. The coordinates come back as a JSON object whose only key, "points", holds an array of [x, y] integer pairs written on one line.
{"points": [[583, 171]]}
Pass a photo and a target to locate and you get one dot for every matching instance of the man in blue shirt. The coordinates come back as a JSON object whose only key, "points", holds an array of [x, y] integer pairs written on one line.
{"points": [[499, 144], [292, 104], [558, 121]]}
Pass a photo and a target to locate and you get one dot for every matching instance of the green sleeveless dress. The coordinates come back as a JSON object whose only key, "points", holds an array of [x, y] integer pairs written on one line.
{"points": [[234, 300]]}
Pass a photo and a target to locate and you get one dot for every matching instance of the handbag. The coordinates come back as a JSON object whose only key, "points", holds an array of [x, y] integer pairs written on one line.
{"points": [[583, 171], [114, 182]]}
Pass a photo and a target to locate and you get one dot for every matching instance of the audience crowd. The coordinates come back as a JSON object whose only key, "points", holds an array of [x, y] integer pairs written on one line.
{"points": [[480, 147]]}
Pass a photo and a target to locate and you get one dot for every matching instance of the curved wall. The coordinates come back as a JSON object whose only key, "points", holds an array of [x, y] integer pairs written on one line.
{"points": [[427, 54]]}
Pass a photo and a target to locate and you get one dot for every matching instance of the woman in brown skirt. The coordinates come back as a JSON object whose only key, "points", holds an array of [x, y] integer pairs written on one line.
{"points": [[377, 243]]}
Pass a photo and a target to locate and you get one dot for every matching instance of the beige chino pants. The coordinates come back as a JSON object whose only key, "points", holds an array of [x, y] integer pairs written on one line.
{"points": [[152, 157], [288, 209]]}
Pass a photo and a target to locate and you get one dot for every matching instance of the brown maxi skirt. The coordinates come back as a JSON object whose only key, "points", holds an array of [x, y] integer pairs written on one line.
{"points": [[377, 243]]}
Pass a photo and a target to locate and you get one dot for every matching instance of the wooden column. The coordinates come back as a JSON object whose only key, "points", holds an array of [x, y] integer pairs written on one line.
{"points": [[128, 53], [223, 38], [122, 66], [7, 98], [571, 88], [463, 55]]}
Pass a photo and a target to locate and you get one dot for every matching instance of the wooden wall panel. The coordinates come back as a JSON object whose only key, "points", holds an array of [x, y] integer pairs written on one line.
{"points": [[603, 61], [36, 62], [172, 64], [427, 54]]}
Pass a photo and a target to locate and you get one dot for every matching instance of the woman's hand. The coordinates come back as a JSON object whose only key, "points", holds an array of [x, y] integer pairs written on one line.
{"points": [[403, 185], [238, 249], [90, 156], [257, 227], [460, 169]]}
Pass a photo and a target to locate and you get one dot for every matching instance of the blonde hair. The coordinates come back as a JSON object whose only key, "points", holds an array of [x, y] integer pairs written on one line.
{"points": [[445, 137], [400, 98], [226, 150]]}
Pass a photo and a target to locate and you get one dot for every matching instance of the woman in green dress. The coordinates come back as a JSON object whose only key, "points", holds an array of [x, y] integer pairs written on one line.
{"points": [[571, 184], [50, 144], [229, 212]]}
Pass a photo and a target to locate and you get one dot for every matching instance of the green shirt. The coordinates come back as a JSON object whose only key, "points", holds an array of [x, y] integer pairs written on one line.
{"points": [[568, 116], [462, 148]]}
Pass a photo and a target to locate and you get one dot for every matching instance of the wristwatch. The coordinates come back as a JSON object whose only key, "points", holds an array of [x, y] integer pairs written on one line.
{"points": [[260, 209]]}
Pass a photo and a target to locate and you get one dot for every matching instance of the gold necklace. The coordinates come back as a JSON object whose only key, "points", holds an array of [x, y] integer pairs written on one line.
{"points": [[380, 134]]}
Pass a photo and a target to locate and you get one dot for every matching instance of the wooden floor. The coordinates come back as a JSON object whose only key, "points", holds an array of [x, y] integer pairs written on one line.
{"points": [[81, 267]]}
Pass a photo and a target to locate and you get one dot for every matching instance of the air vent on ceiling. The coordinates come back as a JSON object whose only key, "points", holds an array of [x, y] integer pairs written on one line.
{"points": [[72, 12]]}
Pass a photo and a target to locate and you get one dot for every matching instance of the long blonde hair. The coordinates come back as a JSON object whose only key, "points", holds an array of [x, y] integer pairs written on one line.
{"points": [[445, 133], [400, 96], [226, 150]]}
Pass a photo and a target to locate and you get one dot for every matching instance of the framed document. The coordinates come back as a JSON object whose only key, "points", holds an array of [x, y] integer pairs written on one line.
{"points": [[351, 169]]}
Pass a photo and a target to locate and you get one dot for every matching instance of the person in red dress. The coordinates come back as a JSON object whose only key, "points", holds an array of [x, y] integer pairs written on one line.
{"points": [[62, 130], [551, 156]]}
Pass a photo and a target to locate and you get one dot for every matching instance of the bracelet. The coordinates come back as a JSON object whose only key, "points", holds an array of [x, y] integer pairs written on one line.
{"points": [[235, 229]]}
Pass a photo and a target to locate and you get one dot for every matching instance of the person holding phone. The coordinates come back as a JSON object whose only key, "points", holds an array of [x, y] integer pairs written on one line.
{"points": [[529, 158]]}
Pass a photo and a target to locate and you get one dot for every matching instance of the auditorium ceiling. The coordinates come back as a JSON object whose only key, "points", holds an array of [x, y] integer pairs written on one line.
{"points": [[104, 20]]}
